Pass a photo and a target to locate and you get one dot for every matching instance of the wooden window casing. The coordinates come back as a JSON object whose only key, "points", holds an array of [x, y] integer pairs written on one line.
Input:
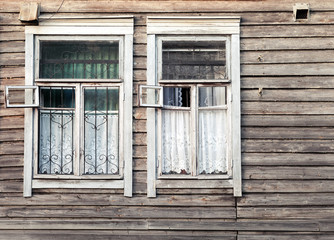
{"points": [[81, 30], [204, 29]]}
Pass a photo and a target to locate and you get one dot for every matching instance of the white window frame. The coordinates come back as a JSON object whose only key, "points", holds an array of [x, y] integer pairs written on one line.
{"points": [[118, 28], [210, 28]]}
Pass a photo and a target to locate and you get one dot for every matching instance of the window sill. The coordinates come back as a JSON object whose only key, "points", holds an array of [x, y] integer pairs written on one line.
{"points": [[190, 183], [106, 184]]}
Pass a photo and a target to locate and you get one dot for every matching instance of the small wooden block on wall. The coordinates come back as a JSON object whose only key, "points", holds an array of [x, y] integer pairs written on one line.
{"points": [[29, 12]]}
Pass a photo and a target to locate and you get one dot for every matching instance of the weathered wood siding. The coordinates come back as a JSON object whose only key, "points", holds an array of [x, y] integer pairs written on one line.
{"points": [[287, 137]]}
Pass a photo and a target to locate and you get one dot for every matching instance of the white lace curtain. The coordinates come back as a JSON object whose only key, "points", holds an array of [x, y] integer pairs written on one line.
{"points": [[211, 138]]}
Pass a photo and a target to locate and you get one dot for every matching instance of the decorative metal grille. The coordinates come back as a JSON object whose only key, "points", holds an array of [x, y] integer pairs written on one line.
{"points": [[101, 130], [56, 126]]}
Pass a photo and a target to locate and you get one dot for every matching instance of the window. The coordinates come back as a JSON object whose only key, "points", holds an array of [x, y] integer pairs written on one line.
{"points": [[196, 139], [75, 137]]}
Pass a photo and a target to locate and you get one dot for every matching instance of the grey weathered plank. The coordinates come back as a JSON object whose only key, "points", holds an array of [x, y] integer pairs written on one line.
{"points": [[287, 159], [11, 135], [251, 225], [320, 82], [133, 212], [103, 199], [11, 59], [316, 133], [287, 56], [285, 212], [287, 108], [289, 146], [292, 69], [285, 173], [281, 43], [288, 186], [11, 122], [285, 236], [11, 160], [290, 199], [306, 95], [11, 187], [8, 148], [11, 173], [288, 120], [12, 46], [12, 72]]}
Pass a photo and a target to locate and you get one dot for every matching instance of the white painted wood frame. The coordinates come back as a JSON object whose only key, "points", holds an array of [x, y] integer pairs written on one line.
{"points": [[113, 28], [164, 27]]}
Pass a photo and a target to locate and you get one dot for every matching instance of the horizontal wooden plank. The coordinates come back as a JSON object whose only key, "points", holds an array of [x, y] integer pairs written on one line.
{"points": [[281, 43], [12, 72], [12, 36], [288, 120], [8, 148], [12, 47], [284, 236], [168, 6], [307, 30], [14, 112], [291, 199], [307, 95], [292, 69], [258, 225], [139, 139], [11, 160], [104, 199], [287, 107], [287, 159], [78, 224], [11, 135], [16, 122], [12, 59], [288, 186], [132, 212], [139, 125], [287, 82], [287, 133], [285, 213], [194, 191], [11, 187], [113, 234], [289, 146], [278, 172], [11, 173], [287, 56]]}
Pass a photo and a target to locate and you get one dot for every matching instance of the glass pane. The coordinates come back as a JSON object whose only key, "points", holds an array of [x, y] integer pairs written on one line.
{"points": [[57, 97], [80, 60], [56, 126], [194, 60], [176, 96], [212, 142], [101, 129], [176, 153], [211, 96]]}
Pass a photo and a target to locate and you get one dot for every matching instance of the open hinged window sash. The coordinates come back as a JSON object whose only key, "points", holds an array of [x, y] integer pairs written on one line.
{"points": [[79, 59], [150, 96], [190, 59], [21, 96]]}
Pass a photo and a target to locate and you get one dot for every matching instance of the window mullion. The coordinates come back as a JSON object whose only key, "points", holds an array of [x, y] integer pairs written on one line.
{"points": [[78, 141], [194, 127]]}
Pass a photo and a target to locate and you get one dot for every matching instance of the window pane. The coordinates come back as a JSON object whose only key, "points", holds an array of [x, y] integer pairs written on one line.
{"points": [[176, 96], [211, 96], [194, 60], [176, 153], [80, 60], [56, 125], [212, 142], [101, 126]]}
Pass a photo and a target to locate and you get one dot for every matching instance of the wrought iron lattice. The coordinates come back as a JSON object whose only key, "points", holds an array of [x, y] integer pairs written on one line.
{"points": [[56, 126], [101, 130], [80, 60]]}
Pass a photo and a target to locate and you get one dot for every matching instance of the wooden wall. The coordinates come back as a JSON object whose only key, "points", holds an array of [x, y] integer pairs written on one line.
{"points": [[287, 137]]}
